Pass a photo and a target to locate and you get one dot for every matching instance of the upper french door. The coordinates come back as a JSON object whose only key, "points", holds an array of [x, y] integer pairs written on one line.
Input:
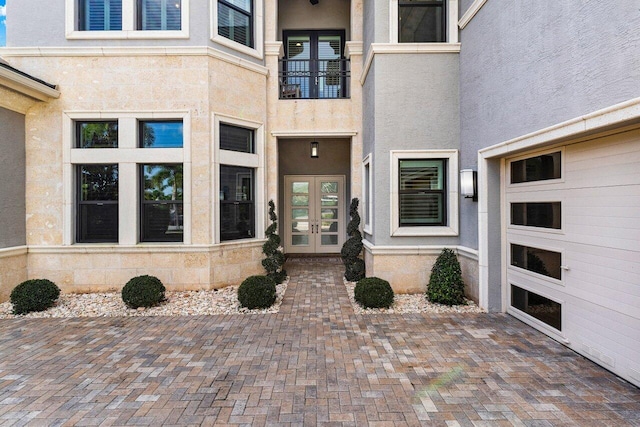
{"points": [[314, 66]]}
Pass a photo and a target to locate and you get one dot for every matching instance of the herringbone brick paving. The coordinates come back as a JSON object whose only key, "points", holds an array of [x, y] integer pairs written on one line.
{"points": [[314, 363]]}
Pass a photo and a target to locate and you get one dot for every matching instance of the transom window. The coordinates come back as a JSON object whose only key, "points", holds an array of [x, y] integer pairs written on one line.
{"points": [[421, 21], [235, 21], [160, 134], [422, 192], [235, 138], [97, 134]]}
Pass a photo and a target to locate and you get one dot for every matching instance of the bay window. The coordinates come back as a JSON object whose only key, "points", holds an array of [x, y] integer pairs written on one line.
{"points": [[237, 205], [160, 15], [235, 21], [161, 210], [97, 203]]}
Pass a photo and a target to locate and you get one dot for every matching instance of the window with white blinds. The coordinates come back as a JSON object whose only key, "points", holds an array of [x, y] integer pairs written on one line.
{"points": [[100, 15], [422, 192], [159, 15], [235, 21]]}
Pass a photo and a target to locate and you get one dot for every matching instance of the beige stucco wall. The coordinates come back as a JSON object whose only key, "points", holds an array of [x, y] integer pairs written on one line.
{"points": [[408, 271], [13, 270]]}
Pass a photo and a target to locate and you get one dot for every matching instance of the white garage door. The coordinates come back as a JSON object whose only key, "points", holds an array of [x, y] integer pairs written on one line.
{"points": [[572, 217]]}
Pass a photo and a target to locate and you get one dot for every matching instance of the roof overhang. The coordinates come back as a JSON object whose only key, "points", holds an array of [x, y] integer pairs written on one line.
{"points": [[26, 85]]}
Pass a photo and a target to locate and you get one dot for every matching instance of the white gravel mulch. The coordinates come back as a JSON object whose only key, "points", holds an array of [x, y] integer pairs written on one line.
{"points": [[184, 303], [411, 303]]}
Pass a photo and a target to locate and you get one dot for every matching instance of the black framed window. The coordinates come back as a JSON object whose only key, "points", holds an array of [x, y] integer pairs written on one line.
{"points": [[161, 210], [100, 15], [542, 308], [97, 134], [235, 20], [537, 260], [422, 193], [161, 134], [237, 205], [422, 21], [537, 214], [159, 15], [235, 138], [97, 203], [537, 168]]}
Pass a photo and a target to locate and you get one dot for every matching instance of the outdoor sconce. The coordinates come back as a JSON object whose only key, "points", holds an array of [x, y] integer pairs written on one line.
{"points": [[314, 149], [469, 184]]}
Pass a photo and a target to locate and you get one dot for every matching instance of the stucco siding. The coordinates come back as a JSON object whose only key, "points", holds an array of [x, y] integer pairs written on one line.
{"points": [[12, 179]]}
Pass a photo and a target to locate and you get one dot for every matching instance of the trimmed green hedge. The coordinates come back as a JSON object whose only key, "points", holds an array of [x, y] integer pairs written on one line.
{"points": [[143, 291], [445, 284], [34, 295], [257, 292], [373, 292]]}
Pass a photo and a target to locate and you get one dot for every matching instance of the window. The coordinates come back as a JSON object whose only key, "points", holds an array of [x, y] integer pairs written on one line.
{"points": [[537, 260], [235, 21], [367, 192], [424, 193], [97, 134], [160, 134], [236, 138], [126, 19], [537, 214], [160, 15], [537, 306], [237, 206], [125, 175], [97, 203], [100, 15], [421, 21], [539, 168], [161, 203]]}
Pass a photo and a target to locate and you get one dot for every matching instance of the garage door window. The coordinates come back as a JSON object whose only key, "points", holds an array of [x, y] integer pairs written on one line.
{"points": [[543, 215], [539, 261], [537, 306], [539, 168]]}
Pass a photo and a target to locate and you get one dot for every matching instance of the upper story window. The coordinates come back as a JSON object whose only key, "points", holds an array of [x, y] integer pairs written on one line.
{"points": [[126, 19], [235, 21], [100, 15], [238, 24], [160, 15], [421, 21]]}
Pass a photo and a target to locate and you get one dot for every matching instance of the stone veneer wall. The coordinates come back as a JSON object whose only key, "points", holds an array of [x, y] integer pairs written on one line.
{"points": [[408, 273], [13, 270]]}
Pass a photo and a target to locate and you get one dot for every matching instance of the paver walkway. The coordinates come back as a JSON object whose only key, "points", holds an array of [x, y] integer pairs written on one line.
{"points": [[314, 363]]}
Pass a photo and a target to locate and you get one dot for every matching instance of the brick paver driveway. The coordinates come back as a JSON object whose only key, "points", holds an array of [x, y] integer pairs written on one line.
{"points": [[314, 363]]}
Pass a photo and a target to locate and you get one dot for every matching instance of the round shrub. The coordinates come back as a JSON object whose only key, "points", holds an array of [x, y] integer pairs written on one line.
{"points": [[257, 292], [373, 292], [34, 295], [445, 284], [143, 291]]}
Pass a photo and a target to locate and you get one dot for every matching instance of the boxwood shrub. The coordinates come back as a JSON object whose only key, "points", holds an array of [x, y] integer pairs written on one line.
{"points": [[373, 292], [445, 283], [143, 291], [34, 295], [257, 292]]}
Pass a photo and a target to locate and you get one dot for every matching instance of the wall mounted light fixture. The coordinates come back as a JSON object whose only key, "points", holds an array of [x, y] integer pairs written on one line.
{"points": [[314, 149], [469, 184]]}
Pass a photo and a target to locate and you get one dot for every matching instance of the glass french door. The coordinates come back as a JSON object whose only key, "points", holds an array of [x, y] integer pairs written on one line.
{"points": [[314, 62], [314, 214]]}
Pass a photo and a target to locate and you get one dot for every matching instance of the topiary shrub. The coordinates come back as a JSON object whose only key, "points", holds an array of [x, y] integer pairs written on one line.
{"points": [[143, 291], [354, 265], [373, 292], [274, 257], [257, 292], [445, 284], [34, 295]]}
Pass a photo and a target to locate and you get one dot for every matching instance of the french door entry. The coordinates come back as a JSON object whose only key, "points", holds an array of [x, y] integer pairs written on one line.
{"points": [[314, 214]]}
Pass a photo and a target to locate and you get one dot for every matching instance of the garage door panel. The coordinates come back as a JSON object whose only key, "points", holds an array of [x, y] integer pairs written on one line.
{"points": [[599, 243]]}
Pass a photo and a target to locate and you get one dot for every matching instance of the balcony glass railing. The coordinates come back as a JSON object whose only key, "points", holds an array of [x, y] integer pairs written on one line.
{"points": [[314, 78]]}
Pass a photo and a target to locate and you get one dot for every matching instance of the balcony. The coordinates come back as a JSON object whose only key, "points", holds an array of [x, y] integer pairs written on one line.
{"points": [[314, 78]]}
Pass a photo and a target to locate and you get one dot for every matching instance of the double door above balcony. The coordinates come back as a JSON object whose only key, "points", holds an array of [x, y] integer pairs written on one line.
{"points": [[314, 66]]}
